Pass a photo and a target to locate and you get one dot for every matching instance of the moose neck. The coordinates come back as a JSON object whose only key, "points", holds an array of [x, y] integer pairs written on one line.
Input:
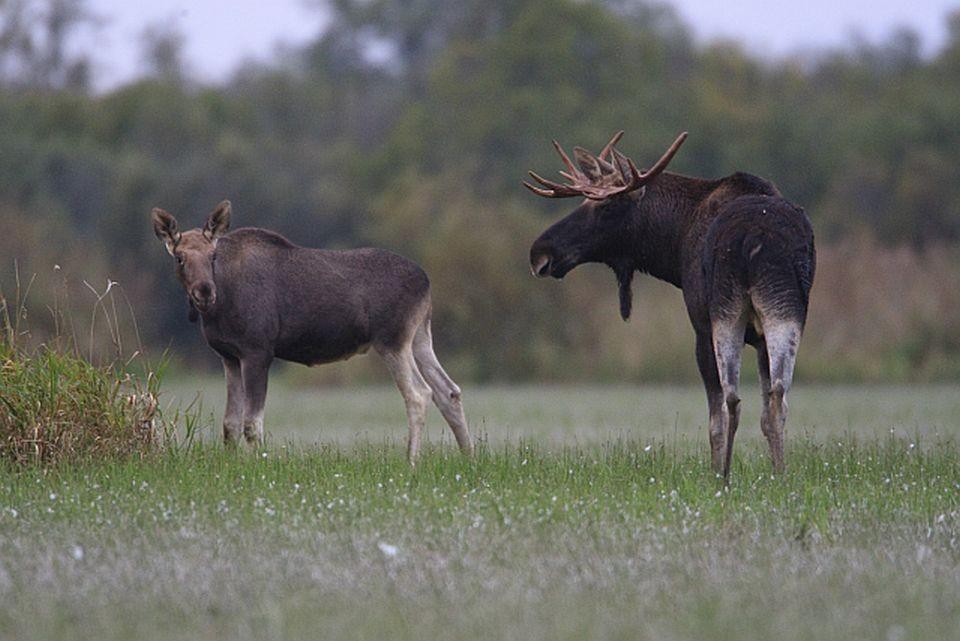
{"points": [[660, 219]]}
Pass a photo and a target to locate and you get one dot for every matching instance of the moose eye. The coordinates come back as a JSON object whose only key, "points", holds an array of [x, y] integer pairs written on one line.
{"points": [[179, 258]]}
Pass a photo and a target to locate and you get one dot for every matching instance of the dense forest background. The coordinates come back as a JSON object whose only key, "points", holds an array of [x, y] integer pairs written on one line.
{"points": [[409, 125]]}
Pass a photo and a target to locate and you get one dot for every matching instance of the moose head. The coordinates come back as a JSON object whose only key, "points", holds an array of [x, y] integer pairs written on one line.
{"points": [[602, 228], [193, 250]]}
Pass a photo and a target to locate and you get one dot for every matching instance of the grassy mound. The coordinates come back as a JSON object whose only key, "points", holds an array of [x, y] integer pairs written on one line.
{"points": [[55, 405]]}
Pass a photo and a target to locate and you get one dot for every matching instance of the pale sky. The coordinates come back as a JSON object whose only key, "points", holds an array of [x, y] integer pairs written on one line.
{"points": [[222, 33]]}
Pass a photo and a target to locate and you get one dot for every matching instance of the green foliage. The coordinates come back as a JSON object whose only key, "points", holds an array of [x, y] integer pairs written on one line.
{"points": [[421, 150], [57, 406]]}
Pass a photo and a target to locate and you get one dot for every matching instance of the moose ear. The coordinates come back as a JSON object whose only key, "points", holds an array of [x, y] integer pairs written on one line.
{"points": [[218, 222], [165, 227]]}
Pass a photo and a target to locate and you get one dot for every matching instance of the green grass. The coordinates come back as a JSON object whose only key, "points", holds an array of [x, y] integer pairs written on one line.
{"points": [[56, 407], [618, 531]]}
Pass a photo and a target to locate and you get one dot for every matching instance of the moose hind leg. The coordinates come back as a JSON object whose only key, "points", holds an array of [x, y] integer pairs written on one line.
{"points": [[233, 414], [727, 347], [446, 393], [767, 426], [415, 392], [255, 370], [782, 339], [707, 363], [763, 372]]}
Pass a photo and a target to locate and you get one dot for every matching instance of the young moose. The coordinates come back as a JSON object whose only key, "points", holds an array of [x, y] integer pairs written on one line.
{"points": [[743, 256], [261, 297]]}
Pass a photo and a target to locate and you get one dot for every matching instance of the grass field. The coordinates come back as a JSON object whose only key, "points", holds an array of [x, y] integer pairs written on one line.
{"points": [[567, 415], [588, 513]]}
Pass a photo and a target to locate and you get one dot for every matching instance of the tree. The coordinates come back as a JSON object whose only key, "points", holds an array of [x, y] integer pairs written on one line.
{"points": [[162, 52], [34, 44]]}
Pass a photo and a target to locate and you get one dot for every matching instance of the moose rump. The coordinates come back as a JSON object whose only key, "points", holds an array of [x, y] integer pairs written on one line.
{"points": [[757, 273]]}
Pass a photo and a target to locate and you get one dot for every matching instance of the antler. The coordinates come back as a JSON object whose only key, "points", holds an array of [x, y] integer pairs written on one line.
{"points": [[598, 178]]}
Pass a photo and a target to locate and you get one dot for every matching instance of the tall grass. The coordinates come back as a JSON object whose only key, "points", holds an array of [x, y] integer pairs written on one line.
{"points": [[57, 404]]}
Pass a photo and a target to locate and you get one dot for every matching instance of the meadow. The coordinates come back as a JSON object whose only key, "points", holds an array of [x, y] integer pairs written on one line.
{"points": [[589, 512]]}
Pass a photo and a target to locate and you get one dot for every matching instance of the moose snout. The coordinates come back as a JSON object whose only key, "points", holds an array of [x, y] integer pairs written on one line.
{"points": [[541, 258], [546, 259], [204, 296], [540, 265]]}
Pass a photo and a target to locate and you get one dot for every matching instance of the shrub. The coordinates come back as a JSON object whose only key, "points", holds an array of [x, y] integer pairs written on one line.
{"points": [[55, 405]]}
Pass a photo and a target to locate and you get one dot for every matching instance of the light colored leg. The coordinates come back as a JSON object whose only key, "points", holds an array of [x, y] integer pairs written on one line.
{"points": [[783, 339], [717, 431], [255, 369], [763, 370], [446, 394], [233, 415], [415, 392], [727, 346], [708, 371]]}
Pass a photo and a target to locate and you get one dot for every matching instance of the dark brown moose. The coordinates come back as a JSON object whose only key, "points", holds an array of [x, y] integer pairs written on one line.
{"points": [[742, 254], [261, 297]]}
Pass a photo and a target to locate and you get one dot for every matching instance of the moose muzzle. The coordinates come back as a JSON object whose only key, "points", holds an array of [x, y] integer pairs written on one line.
{"points": [[204, 296]]}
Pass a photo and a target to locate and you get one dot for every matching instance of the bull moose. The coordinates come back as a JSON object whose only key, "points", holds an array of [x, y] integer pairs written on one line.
{"points": [[261, 297], [743, 256]]}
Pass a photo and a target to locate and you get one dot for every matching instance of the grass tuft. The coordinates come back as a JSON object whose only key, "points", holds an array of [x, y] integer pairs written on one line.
{"points": [[57, 406]]}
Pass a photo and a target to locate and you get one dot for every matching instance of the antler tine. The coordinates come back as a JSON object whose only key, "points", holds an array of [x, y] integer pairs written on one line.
{"points": [[661, 164], [546, 193], [606, 166], [561, 192], [549, 184], [556, 190], [622, 166], [540, 179], [566, 159], [636, 178], [610, 145]]}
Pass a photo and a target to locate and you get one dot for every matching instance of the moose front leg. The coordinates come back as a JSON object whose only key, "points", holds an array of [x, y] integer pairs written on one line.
{"points": [[233, 415], [254, 369]]}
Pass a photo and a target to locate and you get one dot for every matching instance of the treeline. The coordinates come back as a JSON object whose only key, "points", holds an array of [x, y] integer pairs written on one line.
{"points": [[410, 125]]}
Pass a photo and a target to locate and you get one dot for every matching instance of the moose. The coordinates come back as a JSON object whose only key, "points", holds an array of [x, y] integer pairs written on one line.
{"points": [[742, 255], [260, 297]]}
